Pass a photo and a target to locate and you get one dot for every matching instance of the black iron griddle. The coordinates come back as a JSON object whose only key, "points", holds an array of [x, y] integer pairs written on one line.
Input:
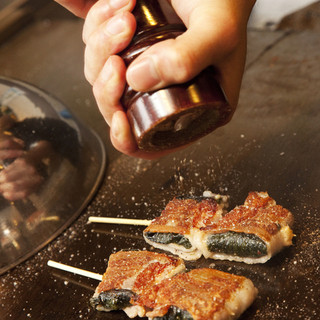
{"points": [[272, 144]]}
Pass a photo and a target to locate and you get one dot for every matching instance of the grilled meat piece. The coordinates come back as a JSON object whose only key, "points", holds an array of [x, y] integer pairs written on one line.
{"points": [[251, 233], [129, 281], [173, 230], [203, 294]]}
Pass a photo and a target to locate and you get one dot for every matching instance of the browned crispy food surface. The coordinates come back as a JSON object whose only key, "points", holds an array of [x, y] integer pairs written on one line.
{"points": [[259, 215], [138, 271], [203, 293], [181, 215]]}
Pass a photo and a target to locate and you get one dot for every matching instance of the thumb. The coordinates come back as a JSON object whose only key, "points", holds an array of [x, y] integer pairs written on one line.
{"points": [[216, 35], [207, 40]]}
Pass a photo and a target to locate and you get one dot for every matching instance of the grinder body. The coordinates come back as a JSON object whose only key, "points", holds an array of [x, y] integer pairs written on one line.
{"points": [[179, 114]]}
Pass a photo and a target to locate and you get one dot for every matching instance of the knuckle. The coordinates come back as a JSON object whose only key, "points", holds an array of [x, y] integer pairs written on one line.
{"points": [[181, 61]]}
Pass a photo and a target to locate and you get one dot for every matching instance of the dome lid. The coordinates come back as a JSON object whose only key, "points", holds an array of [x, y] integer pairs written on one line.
{"points": [[50, 167]]}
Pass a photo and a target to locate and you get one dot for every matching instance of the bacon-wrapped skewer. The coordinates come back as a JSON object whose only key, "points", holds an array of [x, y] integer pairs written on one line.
{"points": [[203, 294], [143, 283], [190, 228], [173, 230], [251, 233], [129, 283]]}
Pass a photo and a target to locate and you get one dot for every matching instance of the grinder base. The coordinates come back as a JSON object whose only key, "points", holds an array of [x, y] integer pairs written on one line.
{"points": [[180, 114]]}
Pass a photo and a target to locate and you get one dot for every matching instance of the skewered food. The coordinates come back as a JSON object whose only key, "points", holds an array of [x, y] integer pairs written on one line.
{"points": [[143, 283], [129, 281], [173, 230], [251, 233], [203, 294]]}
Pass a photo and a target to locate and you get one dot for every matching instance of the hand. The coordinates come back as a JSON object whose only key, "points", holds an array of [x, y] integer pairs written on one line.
{"points": [[10, 147], [216, 35], [19, 179], [21, 176], [78, 7]]}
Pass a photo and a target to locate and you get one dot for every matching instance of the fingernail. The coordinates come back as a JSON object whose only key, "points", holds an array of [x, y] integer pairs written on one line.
{"points": [[143, 74], [115, 26], [118, 4]]}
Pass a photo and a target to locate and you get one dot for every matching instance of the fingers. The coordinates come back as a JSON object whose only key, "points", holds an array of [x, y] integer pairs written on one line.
{"points": [[102, 11], [109, 28], [10, 142], [109, 86], [110, 38], [78, 7], [10, 148], [18, 180], [121, 135], [214, 33], [10, 154], [123, 140], [108, 89]]}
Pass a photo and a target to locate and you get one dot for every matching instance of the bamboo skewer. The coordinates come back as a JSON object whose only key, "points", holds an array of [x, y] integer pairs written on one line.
{"points": [[143, 222], [78, 271], [137, 222], [69, 278]]}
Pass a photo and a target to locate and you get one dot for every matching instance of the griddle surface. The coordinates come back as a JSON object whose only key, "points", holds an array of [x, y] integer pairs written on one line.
{"points": [[272, 144]]}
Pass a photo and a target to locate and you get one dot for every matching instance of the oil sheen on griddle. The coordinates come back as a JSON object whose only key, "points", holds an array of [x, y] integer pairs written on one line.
{"points": [[179, 114]]}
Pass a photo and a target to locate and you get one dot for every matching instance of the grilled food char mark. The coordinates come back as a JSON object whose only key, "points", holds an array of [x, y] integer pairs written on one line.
{"points": [[129, 281], [250, 233], [157, 286], [204, 294]]}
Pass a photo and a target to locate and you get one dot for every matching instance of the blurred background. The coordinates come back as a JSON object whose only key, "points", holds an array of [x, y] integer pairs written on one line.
{"points": [[266, 15], [269, 13]]}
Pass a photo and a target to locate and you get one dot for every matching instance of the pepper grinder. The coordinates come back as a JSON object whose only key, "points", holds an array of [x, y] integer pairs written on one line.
{"points": [[179, 114]]}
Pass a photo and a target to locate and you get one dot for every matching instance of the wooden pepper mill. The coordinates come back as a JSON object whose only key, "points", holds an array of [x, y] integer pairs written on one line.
{"points": [[179, 114]]}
